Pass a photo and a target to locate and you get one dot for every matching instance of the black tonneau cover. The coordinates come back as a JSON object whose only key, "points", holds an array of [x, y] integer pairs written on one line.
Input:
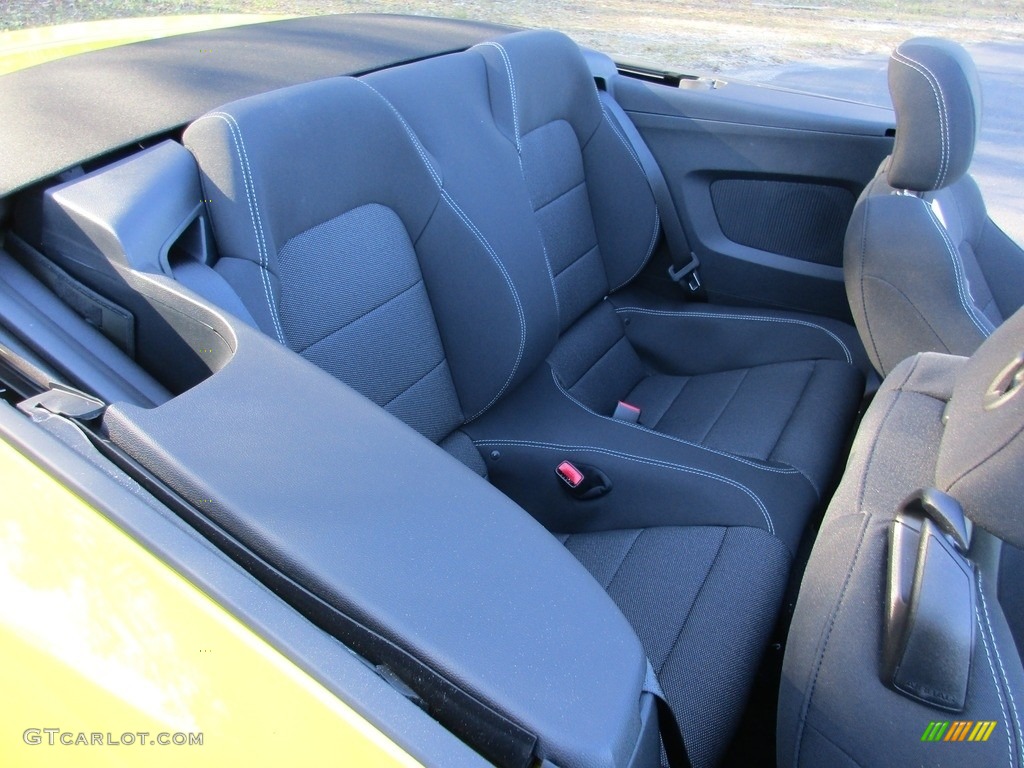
{"points": [[59, 114]]}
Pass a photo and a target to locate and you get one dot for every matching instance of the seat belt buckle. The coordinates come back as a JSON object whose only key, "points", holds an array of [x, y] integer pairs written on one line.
{"points": [[583, 481], [569, 474], [687, 273], [626, 412]]}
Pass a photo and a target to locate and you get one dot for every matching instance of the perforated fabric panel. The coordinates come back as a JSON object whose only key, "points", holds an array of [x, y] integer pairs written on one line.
{"points": [[553, 169], [703, 601], [803, 221], [353, 303]]}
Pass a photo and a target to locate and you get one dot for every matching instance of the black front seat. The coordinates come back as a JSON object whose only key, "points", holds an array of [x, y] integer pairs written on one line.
{"points": [[900, 651], [926, 268]]}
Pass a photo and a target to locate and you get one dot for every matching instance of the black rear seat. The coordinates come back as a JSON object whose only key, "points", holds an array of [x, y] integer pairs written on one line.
{"points": [[743, 413], [441, 237]]}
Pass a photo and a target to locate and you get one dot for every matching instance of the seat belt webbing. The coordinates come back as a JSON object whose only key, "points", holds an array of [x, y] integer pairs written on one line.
{"points": [[684, 260]]}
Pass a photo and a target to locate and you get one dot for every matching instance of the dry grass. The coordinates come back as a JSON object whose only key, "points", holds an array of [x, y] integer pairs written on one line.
{"points": [[697, 36]]}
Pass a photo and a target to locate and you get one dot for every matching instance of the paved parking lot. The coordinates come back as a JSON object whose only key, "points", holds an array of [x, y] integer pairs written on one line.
{"points": [[999, 156]]}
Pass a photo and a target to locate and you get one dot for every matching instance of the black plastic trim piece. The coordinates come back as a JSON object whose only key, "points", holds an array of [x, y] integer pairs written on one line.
{"points": [[929, 623]]}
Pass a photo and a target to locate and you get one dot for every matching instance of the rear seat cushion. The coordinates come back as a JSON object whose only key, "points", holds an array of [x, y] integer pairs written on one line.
{"points": [[543, 157], [704, 615], [655, 479]]}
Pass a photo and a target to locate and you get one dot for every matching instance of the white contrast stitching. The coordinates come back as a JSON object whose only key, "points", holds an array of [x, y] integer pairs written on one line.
{"points": [[254, 215], [480, 238], [1002, 669], [999, 690], [963, 288], [940, 103], [641, 460], [699, 446], [519, 156], [417, 145], [515, 297], [511, 88], [755, 318]]}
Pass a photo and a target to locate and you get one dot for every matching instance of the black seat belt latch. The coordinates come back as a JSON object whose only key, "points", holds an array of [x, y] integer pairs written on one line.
{"points": [[688, 273]]}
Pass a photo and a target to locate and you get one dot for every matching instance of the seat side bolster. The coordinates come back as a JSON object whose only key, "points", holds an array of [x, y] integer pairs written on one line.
{"points": [[896, 248]]}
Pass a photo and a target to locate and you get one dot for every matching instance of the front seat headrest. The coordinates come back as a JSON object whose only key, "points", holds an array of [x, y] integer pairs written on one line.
{"points": [[981, 456], [937, 97]]}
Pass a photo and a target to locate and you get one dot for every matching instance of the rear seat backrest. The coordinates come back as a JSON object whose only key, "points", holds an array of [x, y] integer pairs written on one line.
{"points": [[566, 188], [591, 199], [344, 248]]}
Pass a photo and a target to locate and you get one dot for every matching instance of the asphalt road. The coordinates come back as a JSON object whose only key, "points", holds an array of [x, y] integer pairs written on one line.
{"points": [[999, 156]]}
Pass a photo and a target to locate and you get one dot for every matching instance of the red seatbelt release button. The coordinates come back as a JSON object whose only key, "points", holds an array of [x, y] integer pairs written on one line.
{"points": [[568, 474], [626, 412]]}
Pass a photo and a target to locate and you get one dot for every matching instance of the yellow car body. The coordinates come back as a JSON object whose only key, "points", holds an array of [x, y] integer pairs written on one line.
{"points": [[111, 657]]}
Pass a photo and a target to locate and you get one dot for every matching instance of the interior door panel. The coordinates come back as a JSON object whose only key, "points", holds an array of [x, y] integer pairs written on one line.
{"points": [[764, 181]]}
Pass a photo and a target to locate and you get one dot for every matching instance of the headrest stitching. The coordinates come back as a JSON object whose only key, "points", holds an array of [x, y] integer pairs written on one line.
{"points": [[940, 104]]}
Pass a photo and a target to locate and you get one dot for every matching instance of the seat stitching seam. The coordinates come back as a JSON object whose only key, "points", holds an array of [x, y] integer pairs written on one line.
{"points": [[642, 428], [417, 144], [828, 635], [671, 405], [479, 237], [796, 407], [255, 216], [725, 406], [515, 296], [863, 301], [824, 736], [940, 104], [753, 318], [257, 220], [938, 338], [511, 88], [519, 157], [640, 460], [696, 599], [579, 258], [560, 195], [597, 362], [999, 660], [360, 316], [625, 557], [963, 288], [996, 680], [421, 378]]}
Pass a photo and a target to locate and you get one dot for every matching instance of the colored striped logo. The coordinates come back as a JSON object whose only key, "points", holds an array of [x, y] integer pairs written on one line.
{"points": [[959, 730]]}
